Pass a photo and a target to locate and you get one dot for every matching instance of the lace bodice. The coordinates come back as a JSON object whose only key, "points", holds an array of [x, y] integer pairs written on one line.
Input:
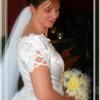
{"points": [[35, 50]]}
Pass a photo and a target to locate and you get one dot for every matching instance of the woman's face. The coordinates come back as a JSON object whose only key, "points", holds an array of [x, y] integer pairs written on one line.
{"points": [[47, 13]]}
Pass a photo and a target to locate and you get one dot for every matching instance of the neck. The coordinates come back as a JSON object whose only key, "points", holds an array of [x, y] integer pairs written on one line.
{"points": [[38, 28]]}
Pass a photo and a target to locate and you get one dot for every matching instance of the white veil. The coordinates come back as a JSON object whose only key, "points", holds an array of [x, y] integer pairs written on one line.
{"points": [[9, 62]]}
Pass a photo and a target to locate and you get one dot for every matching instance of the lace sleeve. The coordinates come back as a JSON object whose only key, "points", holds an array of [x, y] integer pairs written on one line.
{"points": [[33, 53]]}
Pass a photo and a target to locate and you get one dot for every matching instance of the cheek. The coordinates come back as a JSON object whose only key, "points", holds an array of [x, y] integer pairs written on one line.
{"points": [[44, 17], [57, 15]]}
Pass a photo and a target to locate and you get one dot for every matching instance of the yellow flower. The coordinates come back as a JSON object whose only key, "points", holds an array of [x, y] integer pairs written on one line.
{"points": [[73, 84], [76, 84]]}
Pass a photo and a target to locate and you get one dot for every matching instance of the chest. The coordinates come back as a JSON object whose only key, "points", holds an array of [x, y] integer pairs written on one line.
{"points": [[56, 62]]}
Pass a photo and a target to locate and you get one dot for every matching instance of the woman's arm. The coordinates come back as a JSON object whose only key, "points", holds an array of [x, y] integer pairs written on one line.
{"points": [[41, 82]]}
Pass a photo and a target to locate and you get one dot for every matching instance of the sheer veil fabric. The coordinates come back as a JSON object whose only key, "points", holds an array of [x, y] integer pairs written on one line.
{"points": [[9, 61]]}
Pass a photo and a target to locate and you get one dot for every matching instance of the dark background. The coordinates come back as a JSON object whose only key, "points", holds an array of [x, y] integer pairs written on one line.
{"points": [[69, 6]]}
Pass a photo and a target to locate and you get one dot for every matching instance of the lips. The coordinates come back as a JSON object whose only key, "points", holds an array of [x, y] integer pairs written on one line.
{"points": [[51, 21]]}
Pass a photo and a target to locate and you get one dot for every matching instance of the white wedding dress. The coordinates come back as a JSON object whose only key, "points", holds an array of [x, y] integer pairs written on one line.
{"points": [[30, 48]]}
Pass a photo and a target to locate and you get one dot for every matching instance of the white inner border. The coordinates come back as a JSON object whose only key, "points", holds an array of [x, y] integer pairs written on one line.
{"points": [[3, 32], [0, 49], [99, 50], [94, 92]]}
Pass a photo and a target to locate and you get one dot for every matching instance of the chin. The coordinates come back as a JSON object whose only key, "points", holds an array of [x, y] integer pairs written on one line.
{"points": [[49, 25]]}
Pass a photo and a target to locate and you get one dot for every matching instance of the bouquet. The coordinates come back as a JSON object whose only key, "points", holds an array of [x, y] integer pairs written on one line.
{"points": [[76, 84]]}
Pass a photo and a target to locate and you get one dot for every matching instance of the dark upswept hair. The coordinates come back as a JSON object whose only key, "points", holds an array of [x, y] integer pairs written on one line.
{"points": [[36, 3]]}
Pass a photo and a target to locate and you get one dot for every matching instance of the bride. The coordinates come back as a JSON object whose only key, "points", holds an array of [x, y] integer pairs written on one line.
{"points": [[30, 53]]}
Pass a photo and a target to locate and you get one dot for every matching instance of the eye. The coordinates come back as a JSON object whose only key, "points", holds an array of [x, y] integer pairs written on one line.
{"points": [[48, 10]]}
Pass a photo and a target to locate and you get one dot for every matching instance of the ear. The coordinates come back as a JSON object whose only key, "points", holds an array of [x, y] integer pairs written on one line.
{"points": [[32, 8]]}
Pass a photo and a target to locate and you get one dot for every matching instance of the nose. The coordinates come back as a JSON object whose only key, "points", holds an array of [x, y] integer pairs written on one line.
{"points": [[55, 14]]}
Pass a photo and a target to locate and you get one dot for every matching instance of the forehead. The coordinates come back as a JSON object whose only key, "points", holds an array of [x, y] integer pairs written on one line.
{"points": [[55, 2]]}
